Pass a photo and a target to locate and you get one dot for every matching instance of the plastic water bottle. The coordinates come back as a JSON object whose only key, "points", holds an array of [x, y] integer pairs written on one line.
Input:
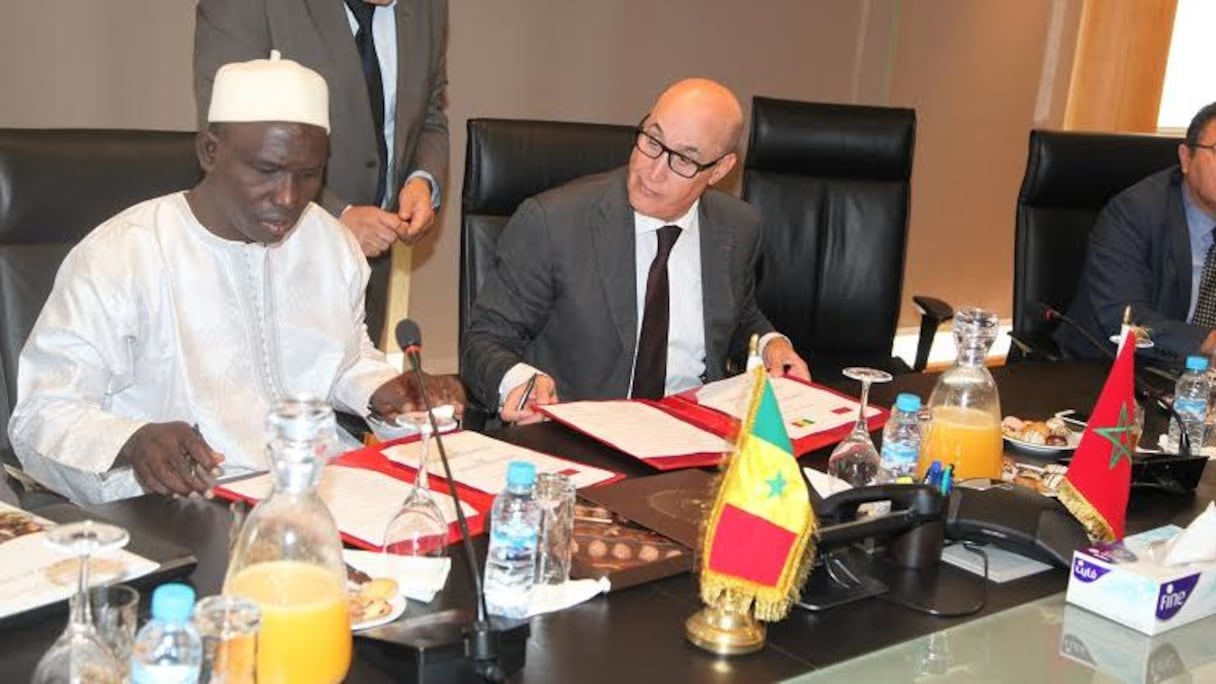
{"points": [[168, 648], [514, 534], [1191, 402], [901, 440]]}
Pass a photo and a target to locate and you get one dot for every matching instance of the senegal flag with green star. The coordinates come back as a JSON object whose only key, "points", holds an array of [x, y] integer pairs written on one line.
{"points": [[1096, 488], [757, 548]]}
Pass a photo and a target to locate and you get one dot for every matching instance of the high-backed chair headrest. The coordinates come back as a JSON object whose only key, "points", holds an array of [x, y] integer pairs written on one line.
{"points": [[841, 141], [57, 185], [509, 161], [1085, 170]]}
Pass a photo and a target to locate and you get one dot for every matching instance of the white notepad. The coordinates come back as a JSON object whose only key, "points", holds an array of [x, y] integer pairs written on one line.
{"points": [[1003, 566]]}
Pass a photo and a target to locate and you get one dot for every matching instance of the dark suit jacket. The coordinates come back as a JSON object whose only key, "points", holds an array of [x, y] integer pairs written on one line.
{"points": [[316, 33], [562, 295], [1139, 254]]}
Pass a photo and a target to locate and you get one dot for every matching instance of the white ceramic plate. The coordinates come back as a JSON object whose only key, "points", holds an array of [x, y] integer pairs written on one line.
{"points": [[396, 608], [1074, 438]]}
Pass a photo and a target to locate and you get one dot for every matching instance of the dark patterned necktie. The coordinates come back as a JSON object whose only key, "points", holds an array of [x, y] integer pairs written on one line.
{"points": [[1205, 306], [650, 366], [364, 12]]}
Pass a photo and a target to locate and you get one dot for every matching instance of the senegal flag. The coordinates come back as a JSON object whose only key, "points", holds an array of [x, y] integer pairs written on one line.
{"points": [[757, 540]]}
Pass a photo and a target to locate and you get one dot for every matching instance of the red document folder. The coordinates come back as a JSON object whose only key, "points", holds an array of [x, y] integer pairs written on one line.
{"points": [[370, 458], [684, 406], [722, 424]]}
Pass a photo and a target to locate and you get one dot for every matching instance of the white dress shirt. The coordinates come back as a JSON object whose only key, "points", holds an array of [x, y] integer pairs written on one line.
{"points": [[153, 318]]}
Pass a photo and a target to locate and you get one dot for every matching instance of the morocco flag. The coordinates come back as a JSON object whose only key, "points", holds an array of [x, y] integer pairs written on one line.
{"points": [[756, 548], [1098, 482]]}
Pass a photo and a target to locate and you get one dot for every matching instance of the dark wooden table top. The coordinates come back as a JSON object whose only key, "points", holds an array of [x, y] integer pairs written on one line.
{"points": [[637, 634]]}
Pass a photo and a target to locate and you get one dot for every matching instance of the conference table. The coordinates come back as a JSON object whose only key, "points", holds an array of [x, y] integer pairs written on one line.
{"points": [[637, 634]]}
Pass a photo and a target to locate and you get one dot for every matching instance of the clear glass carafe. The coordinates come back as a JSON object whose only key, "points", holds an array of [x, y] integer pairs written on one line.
{"points": [[966, 410], [288, 555]]}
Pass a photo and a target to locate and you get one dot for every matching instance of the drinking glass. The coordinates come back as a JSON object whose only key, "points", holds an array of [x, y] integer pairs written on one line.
{"points": [[115, 610], [855, 460], [228, 626], [79, 655], [419, 527], [555, 494]]}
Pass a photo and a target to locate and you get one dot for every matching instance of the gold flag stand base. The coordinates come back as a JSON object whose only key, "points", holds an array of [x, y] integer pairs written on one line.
{"points": [[725, 632]]}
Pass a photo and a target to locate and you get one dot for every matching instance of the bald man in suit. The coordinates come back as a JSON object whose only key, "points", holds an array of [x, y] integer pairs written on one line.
{"points": [[320, 34], [568, 300]]}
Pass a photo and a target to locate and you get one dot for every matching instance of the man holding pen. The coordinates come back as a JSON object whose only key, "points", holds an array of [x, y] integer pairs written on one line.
{"points": [[633, 283]]}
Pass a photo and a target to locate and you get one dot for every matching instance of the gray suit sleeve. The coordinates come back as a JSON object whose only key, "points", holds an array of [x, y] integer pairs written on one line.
{"points": [[750, 320], [512, 305], [431, 154], [1120, 274]]}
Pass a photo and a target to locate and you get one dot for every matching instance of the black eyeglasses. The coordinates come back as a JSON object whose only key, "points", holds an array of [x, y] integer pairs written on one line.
{"points": [[1209, 148], [679, 163]]}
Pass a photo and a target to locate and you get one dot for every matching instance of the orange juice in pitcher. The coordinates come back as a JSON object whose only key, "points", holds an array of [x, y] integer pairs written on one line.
{"points": [[305, 633], [968, 438], [965, 407], [288, 556]]}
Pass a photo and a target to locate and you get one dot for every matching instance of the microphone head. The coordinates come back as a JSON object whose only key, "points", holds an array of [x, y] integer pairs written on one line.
{"points": [[1049, 312], [408, 334]]}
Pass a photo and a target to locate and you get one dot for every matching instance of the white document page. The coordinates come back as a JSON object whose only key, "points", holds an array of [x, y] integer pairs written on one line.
{"points": [[362, 501], [480, 462], [637, 429], [806, 410], [33, 574]]}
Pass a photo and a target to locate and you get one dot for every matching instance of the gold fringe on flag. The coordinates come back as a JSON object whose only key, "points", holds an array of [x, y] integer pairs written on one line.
{"points": [[1080, 507]]}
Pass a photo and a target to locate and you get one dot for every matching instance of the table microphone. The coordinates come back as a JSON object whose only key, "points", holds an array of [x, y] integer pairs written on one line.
{"points": [[1142, 388], [483, 645]]}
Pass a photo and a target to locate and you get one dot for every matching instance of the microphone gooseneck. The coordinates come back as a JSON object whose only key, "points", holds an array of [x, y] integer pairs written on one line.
{"points": [[482, 646], [1143, 390]]}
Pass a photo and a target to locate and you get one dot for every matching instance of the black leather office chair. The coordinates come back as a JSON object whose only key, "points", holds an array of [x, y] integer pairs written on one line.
{"points": [[833, 184], [55, 186], [506, 162], [1069, 178]]}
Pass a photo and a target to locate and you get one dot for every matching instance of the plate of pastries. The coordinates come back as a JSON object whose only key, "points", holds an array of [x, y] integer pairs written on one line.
{"points": [[1050, 436]]}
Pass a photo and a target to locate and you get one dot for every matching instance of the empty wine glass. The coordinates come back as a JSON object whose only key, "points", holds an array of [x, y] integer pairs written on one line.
{"points": [[855, 460], [79, 656], [420, 528]]}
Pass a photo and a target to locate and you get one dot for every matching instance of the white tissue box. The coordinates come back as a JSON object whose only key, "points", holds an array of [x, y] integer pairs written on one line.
{"points": [[1131, 657], [1124, 582]]}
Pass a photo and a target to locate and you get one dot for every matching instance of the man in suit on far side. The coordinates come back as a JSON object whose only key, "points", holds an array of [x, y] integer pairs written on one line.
{"points": [[1153, 248], [638, 282], [385, 63]]}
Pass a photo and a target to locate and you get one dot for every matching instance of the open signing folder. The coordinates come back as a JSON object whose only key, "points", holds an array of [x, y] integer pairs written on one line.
{"points": [[364, 488], [695, 428]]}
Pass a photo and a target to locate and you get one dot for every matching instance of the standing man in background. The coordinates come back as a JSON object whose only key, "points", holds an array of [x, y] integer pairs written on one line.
{"points": [[385, 63]]}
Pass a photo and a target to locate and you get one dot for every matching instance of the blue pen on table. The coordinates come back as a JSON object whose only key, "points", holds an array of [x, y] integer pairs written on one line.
{"points": [[947, 479], [523, 401]]}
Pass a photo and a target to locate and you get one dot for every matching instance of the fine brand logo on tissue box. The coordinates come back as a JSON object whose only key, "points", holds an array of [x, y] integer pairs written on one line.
{"points": [[1174, 595], [1087, 572]]}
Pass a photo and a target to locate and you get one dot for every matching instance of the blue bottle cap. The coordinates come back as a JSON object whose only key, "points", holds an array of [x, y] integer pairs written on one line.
{"points": [[172, 603], [520, 474], [1196, 363], [907, 402]]}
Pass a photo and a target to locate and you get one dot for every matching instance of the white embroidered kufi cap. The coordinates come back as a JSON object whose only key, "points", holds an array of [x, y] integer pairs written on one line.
{"points": [[272, 89]]}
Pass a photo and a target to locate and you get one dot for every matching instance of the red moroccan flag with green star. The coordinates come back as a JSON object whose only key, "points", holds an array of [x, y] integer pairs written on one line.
{"points": [[757, 541], [1098, 482]]}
